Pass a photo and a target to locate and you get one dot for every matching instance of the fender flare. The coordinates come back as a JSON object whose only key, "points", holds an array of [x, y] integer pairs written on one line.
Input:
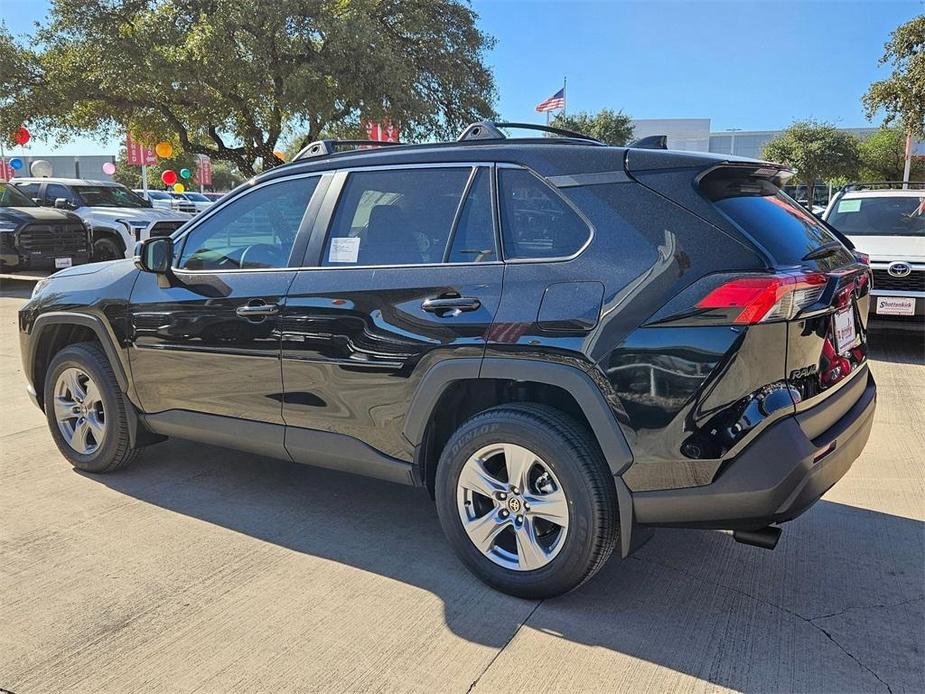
{"points": [[82, 319], [589, 397], [105, 231]]}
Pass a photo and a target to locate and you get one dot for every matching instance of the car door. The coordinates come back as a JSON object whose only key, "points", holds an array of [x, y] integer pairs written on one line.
{"points": [[406, 273], [208, 340]]}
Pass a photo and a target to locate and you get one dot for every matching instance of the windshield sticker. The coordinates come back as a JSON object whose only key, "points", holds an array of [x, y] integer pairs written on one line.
{"points": [[344, 250], [849, 205]]}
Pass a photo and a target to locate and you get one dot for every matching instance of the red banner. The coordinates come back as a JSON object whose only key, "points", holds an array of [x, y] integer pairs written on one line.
{"points": [[137, 154], [204, 170], [382, 132], [6, 171]]}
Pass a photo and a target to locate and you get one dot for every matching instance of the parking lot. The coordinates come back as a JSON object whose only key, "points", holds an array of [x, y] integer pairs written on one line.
{"points": [[202, 569]]}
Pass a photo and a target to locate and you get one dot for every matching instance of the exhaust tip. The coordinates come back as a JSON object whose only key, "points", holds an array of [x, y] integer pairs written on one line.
{"points": [[766, 537]]}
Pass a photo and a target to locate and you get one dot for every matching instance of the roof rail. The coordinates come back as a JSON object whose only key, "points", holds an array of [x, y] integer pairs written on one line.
{"points": [[491, 130], [325, 148], [650, 142], [884, 185]]}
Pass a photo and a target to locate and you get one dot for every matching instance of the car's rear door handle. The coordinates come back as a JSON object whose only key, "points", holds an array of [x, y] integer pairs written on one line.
{"points": [[257, 310], [454, 304]]}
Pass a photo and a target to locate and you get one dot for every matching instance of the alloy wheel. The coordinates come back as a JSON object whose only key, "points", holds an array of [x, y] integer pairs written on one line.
{"points": [[512, 507], [79, 411]]}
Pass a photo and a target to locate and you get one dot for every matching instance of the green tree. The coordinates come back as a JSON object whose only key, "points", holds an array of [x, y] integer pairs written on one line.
{"points": [[226, 78], [883, 156], [817, 151], [225, 176], [607, 125], [902, 94]]}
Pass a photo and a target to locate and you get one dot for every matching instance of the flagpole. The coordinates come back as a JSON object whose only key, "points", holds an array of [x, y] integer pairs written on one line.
{"points": [[564, 94]]}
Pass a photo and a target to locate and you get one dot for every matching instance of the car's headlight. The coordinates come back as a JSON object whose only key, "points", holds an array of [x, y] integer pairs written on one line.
{"points": [[39, 286]]}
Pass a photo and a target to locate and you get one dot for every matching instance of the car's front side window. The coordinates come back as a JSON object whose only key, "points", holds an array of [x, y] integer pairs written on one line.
{"points": [[255, 230]]}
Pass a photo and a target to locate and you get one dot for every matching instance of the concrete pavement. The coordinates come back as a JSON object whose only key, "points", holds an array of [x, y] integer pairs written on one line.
{"points": [[201, 569]]}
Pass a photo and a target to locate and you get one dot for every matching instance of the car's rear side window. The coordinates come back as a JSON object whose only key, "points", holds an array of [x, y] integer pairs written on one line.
{"points": [[396, 217], [535, 221], [887, 215], [767, 214]]}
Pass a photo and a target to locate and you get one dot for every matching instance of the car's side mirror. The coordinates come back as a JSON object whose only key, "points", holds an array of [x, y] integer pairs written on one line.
{"points": [[154, 255], [63, 204]]}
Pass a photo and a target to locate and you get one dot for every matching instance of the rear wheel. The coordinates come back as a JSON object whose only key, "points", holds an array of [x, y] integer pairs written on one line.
{"points": [[526, 500], [86, 411]]}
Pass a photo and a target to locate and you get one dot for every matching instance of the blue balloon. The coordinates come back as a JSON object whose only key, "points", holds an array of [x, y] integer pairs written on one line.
{"points": [[16, 163]]}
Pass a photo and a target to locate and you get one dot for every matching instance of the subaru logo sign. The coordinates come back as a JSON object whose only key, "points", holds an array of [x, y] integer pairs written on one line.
{"points": [[899, 269]]}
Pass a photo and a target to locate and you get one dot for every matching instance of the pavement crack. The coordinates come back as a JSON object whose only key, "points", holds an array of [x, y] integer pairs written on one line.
{"points": [[807, 620], [501, 650], [867, 607]]}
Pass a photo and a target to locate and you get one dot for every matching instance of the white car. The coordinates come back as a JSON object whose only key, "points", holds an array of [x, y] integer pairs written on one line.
{"points": [[166, 201], [117, 217], [887, 222], [198, 201]]}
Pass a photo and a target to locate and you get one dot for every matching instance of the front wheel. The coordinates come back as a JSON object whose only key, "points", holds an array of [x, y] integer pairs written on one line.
{"points": [[86, 410], [106, 249], [526, 500]]}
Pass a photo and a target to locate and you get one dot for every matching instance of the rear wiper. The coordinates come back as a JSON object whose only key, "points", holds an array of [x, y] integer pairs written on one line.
{"points": [[824, 251]]}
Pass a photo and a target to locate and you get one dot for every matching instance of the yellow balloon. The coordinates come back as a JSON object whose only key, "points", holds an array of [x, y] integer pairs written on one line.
{"points": [[178, 187], [164, 150], [279, 154]]}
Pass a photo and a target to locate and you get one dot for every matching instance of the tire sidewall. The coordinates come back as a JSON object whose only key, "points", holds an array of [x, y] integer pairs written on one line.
{"points": [[86, 361], [568, 568], [107, 243]]}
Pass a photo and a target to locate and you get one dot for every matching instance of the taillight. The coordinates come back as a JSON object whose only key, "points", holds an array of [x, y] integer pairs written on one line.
{"points": [[766, 297]]}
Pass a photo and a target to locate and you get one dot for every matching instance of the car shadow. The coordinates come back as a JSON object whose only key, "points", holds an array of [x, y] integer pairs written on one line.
{"points": [[898, 347], [837, 607]]}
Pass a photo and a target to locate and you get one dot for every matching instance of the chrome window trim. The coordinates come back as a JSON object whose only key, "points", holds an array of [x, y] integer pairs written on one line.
{"points": [[592, 231]]}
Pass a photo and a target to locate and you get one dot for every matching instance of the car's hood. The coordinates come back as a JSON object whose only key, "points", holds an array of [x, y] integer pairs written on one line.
{"points": [[145, 214], [889, 248], [116, 266], [21, 215]]}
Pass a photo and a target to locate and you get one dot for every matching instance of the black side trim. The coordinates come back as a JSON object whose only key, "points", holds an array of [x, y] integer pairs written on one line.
{"points": [[582, 388], [429, 390], [82, 319], [341, 452], [308, 446]]}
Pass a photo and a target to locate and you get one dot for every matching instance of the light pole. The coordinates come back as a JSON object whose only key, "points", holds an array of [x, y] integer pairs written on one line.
{"points": [[732, 144]]}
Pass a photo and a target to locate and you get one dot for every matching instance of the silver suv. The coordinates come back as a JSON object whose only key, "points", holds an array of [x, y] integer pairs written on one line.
{"points": [[117, 217], [887, 222]]}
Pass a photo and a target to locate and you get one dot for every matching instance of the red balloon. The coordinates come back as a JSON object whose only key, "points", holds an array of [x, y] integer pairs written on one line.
{"points": [[169, 177], [22, 136]]}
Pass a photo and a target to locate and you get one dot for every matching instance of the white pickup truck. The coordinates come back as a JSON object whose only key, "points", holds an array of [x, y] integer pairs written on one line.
{"points": [[887, 222], [117, 217]]}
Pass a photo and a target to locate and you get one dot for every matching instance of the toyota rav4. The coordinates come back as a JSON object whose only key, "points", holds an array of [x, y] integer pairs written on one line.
{"points": [[565, 343]]}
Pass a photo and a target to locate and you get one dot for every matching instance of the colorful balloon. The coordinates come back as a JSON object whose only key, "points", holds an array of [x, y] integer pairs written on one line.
{"points": [[164, 150], [16, 163], [279, 154], [22, 136], [109, 168], [185, 173], [169, 177], [178, 187]]}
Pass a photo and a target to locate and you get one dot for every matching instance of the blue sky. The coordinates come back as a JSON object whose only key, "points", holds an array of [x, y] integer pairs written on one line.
{"points": [[747, 65]]}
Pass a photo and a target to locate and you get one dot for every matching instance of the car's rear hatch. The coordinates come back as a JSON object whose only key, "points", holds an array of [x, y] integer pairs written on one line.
{"points": [[814, 282]]}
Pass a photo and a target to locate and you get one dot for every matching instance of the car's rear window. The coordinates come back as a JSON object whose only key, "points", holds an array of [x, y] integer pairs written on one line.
{"points": [[768, 215], [896, 215]]}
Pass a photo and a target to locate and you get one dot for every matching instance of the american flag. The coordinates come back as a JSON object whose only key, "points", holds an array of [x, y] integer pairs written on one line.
{"points": [[556, 101]]}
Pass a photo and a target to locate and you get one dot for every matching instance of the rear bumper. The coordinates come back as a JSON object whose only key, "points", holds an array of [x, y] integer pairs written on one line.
{"points": [[781, 474]]}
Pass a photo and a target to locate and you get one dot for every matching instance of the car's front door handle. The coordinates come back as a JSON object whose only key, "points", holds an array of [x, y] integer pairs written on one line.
{"points": [[454, 304], [257, 310]]}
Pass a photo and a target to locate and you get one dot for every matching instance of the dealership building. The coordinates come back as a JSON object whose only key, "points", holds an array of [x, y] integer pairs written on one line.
{"points": [[696, 135]]}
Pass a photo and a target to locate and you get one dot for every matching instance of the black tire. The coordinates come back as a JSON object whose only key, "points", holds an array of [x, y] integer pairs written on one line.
{"points": [[105, 248], [115, 451], [568, 449]]}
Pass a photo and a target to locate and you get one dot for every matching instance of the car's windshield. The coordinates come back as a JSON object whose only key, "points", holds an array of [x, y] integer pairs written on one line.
{"points": [[196, 197], [10, 197], [109, 196], [159, 195], [894, 215]]}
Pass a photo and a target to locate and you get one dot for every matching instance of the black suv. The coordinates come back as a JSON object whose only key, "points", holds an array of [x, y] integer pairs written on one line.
{"points": [[33, 237], [564, 343]]}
